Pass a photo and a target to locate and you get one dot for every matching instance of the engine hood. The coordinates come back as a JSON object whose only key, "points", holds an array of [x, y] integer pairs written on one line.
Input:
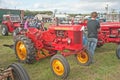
{"points": [[67, 27]]}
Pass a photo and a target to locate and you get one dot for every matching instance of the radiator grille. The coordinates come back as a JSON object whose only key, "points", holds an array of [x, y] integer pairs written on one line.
{"points": [[77, 37]]}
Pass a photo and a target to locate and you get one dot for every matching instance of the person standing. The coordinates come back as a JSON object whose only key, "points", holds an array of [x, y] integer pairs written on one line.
{"points": [[93, 27], [26, 24]]}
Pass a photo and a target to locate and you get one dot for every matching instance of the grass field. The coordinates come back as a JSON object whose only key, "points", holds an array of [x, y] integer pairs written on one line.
{"points": [[105, 67]]}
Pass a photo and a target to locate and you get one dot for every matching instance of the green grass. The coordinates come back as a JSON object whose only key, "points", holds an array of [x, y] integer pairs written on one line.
{"points": [[105, 67]]}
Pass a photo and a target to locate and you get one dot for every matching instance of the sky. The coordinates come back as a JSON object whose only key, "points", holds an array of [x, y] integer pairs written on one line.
{"points": [[63, 6]]}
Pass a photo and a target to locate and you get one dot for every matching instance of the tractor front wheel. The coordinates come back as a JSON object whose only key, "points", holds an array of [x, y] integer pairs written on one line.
{"points": [[18, 72], [24, 49], [84, 57], [118, 52], [59, 66], [4, 30], [16, 31]]}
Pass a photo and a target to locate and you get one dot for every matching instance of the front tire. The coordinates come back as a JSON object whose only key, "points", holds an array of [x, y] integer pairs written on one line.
{"points": [[19, 73], [4, 30], [24, 49], [16, 31], [84, 58], [59, 66]]}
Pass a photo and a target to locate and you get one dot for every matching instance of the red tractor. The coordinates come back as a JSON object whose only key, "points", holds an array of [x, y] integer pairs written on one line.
{"points": [[57, 41], [110, 33], [9, 24]]}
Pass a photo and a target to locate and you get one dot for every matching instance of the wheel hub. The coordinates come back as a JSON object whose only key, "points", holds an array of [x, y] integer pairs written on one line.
{"points": [[58, 67], [82, 57], [21, 50]]}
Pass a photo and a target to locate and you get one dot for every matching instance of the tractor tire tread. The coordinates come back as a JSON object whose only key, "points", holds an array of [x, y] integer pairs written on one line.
{"points": [[30, 49], [65, 64], [20, 72]]}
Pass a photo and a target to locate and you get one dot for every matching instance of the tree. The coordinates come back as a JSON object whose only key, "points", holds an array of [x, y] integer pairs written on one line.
{"points": [[33, 13]]}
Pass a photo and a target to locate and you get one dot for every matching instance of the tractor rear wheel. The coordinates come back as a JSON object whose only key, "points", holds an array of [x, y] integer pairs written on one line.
{"points": [[24, 49], [84, 58], [4, 30], [118, 52], [59, 66], [19, 73]]}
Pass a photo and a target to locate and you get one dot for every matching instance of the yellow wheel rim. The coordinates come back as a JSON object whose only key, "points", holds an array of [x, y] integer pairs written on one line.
{"points": [[21, 50], [58, 67], [82, 57]]}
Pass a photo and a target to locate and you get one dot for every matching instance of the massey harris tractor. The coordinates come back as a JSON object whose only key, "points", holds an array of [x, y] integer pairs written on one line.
{"points": [[110, 33], [9, 24], [14, 72], [57, 41]]}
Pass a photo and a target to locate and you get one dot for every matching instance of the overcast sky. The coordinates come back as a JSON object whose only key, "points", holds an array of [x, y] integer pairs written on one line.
{"points": [[68, 6]]}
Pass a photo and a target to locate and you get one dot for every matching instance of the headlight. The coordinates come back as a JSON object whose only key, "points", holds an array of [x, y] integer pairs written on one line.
{"points": [[69, 40]]}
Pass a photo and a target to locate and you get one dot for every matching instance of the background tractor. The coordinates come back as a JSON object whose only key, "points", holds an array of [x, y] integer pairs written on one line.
{"points": [[110, 33], [14, 72], [58, 41], [10, 23]]}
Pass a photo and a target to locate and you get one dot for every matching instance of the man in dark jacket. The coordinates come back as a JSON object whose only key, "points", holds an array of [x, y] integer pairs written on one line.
{"points": [[93, 28]]}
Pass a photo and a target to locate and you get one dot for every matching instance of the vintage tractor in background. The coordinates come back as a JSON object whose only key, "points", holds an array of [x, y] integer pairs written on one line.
{"points": [[109, 33], [10, 23], [58, 41], [14, 72]]}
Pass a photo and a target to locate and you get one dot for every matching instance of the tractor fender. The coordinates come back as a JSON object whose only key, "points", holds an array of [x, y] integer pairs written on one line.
{"points": [[35, 35]]}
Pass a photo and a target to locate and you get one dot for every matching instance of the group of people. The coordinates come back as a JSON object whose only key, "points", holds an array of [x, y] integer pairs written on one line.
{"points": [[28, 22], [32, 22]]}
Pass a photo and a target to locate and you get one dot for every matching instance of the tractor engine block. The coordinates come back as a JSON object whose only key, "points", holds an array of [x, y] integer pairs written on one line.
{"points": [[60, 33]]}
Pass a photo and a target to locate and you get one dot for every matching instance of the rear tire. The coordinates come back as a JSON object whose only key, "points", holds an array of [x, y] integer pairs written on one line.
{"points": [[118, 52], [24, 49], [59, 66], [19, 73], [4, 30], [84, 58]]}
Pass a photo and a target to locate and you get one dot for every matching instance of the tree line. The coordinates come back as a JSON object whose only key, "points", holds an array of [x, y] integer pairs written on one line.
{"points": [[33, 13]]}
